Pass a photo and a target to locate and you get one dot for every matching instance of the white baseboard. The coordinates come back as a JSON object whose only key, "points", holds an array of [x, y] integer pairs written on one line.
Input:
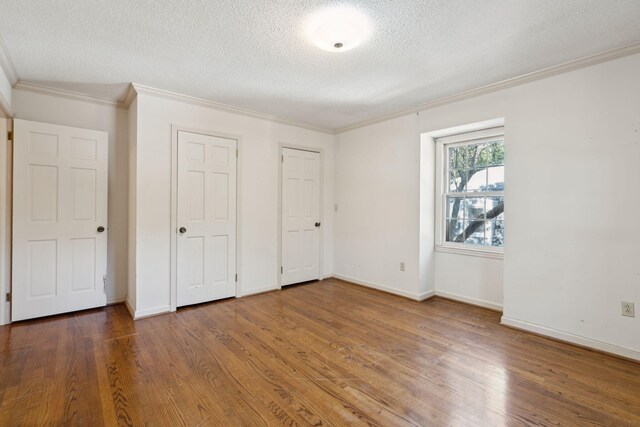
{"points": [[116, 300], [472, 301], [147, 312], [416, 297], [426, 295], [571, 338], [130, 309], [258, 291]]}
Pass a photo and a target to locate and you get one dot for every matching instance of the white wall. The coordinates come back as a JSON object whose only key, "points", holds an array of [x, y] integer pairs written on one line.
{"points": [[71, 112], [5, 95], [132, 206], [571, 253], [378, 218], [470, 279], [572, 185], [258, 194]]}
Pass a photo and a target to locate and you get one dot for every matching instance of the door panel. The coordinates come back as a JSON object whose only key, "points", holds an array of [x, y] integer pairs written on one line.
{"points": [[206, 251], [60, 199], [300, 214]]}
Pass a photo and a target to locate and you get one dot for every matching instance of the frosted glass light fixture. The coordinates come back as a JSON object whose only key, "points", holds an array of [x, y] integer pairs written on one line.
{"points": [[338, 28]]}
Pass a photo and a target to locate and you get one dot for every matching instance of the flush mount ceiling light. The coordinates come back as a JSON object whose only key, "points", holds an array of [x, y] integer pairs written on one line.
{"points": [[338, 29]]}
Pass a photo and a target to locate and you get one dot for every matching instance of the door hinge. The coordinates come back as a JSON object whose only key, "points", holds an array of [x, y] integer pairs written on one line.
{"points": [[281, 270], [7, 297], [104, 283], [10, 135], [283, 158]]}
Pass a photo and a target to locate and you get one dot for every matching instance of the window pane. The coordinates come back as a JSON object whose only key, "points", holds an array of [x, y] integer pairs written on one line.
{"points": [[483, 155], [458, 157], [455, 179], [494, 231], [473, 168], [496, 156], [477, 180], [455, 207], [474, 207], [454, 231], [474, 232], [497, 204], [495, 181]]}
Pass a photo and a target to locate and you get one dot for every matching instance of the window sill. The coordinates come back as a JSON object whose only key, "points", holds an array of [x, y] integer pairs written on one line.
{"points": [[483, 253]]}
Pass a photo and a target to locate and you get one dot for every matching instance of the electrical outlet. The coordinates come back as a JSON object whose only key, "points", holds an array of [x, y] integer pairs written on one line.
{"points": [[402, 266], [628, 309]]}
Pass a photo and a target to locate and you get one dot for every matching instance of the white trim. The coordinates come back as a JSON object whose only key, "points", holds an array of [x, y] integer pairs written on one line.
{"points": [[7, 65], [459, 135], [146, 90], [259, 291], [483, 90], [173, 259], [471, 301], [416, 297], [470, 251], [130, 309], [6, 189], [148, 312], [571, 338], [565, 67], [473, 137], [116, 300], [51, 91], [320, 151], [129, 97], [470, 127]]}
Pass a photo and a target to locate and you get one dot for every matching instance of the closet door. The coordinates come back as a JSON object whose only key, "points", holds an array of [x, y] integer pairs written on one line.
{"points": [[300, 216], [59, 219], [206, 248]]}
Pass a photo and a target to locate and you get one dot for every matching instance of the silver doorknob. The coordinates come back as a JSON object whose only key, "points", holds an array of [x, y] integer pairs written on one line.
{"points": [[100, 229], [182, 230]]}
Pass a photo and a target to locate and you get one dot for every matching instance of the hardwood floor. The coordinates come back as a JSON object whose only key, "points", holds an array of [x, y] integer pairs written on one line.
{"points": [[327, 353]]}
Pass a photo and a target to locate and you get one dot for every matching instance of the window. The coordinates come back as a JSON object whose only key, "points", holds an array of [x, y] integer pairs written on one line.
{"points": [[471, 185]]}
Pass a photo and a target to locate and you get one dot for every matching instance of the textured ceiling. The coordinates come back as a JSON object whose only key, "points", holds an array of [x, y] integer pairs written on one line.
{"points": [[254, 54]]}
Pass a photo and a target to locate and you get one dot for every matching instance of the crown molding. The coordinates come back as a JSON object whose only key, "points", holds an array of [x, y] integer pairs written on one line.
{"points": [[146, 90], [515, 81], [47, 90], [7, 65], [129, 97], [135, 89]]}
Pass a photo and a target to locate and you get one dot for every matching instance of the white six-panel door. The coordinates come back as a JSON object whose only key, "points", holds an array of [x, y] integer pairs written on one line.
{"points": [[300, 216], [206, 220], [59, 207]]}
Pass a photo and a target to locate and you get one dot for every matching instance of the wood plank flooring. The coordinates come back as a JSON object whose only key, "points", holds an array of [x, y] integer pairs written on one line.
{"points": [[327, 353]]}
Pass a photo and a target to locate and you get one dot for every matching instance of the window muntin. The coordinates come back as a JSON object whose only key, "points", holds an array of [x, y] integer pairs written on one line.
{"points": [[473, 193]]}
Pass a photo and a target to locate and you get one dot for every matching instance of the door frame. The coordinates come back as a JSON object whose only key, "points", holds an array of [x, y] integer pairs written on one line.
{"points": [[6, 216], [173, 263], [320, 151]]}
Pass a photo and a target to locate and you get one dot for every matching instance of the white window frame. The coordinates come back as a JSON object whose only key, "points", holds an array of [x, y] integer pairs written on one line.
{"points": [[442, 169]]}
